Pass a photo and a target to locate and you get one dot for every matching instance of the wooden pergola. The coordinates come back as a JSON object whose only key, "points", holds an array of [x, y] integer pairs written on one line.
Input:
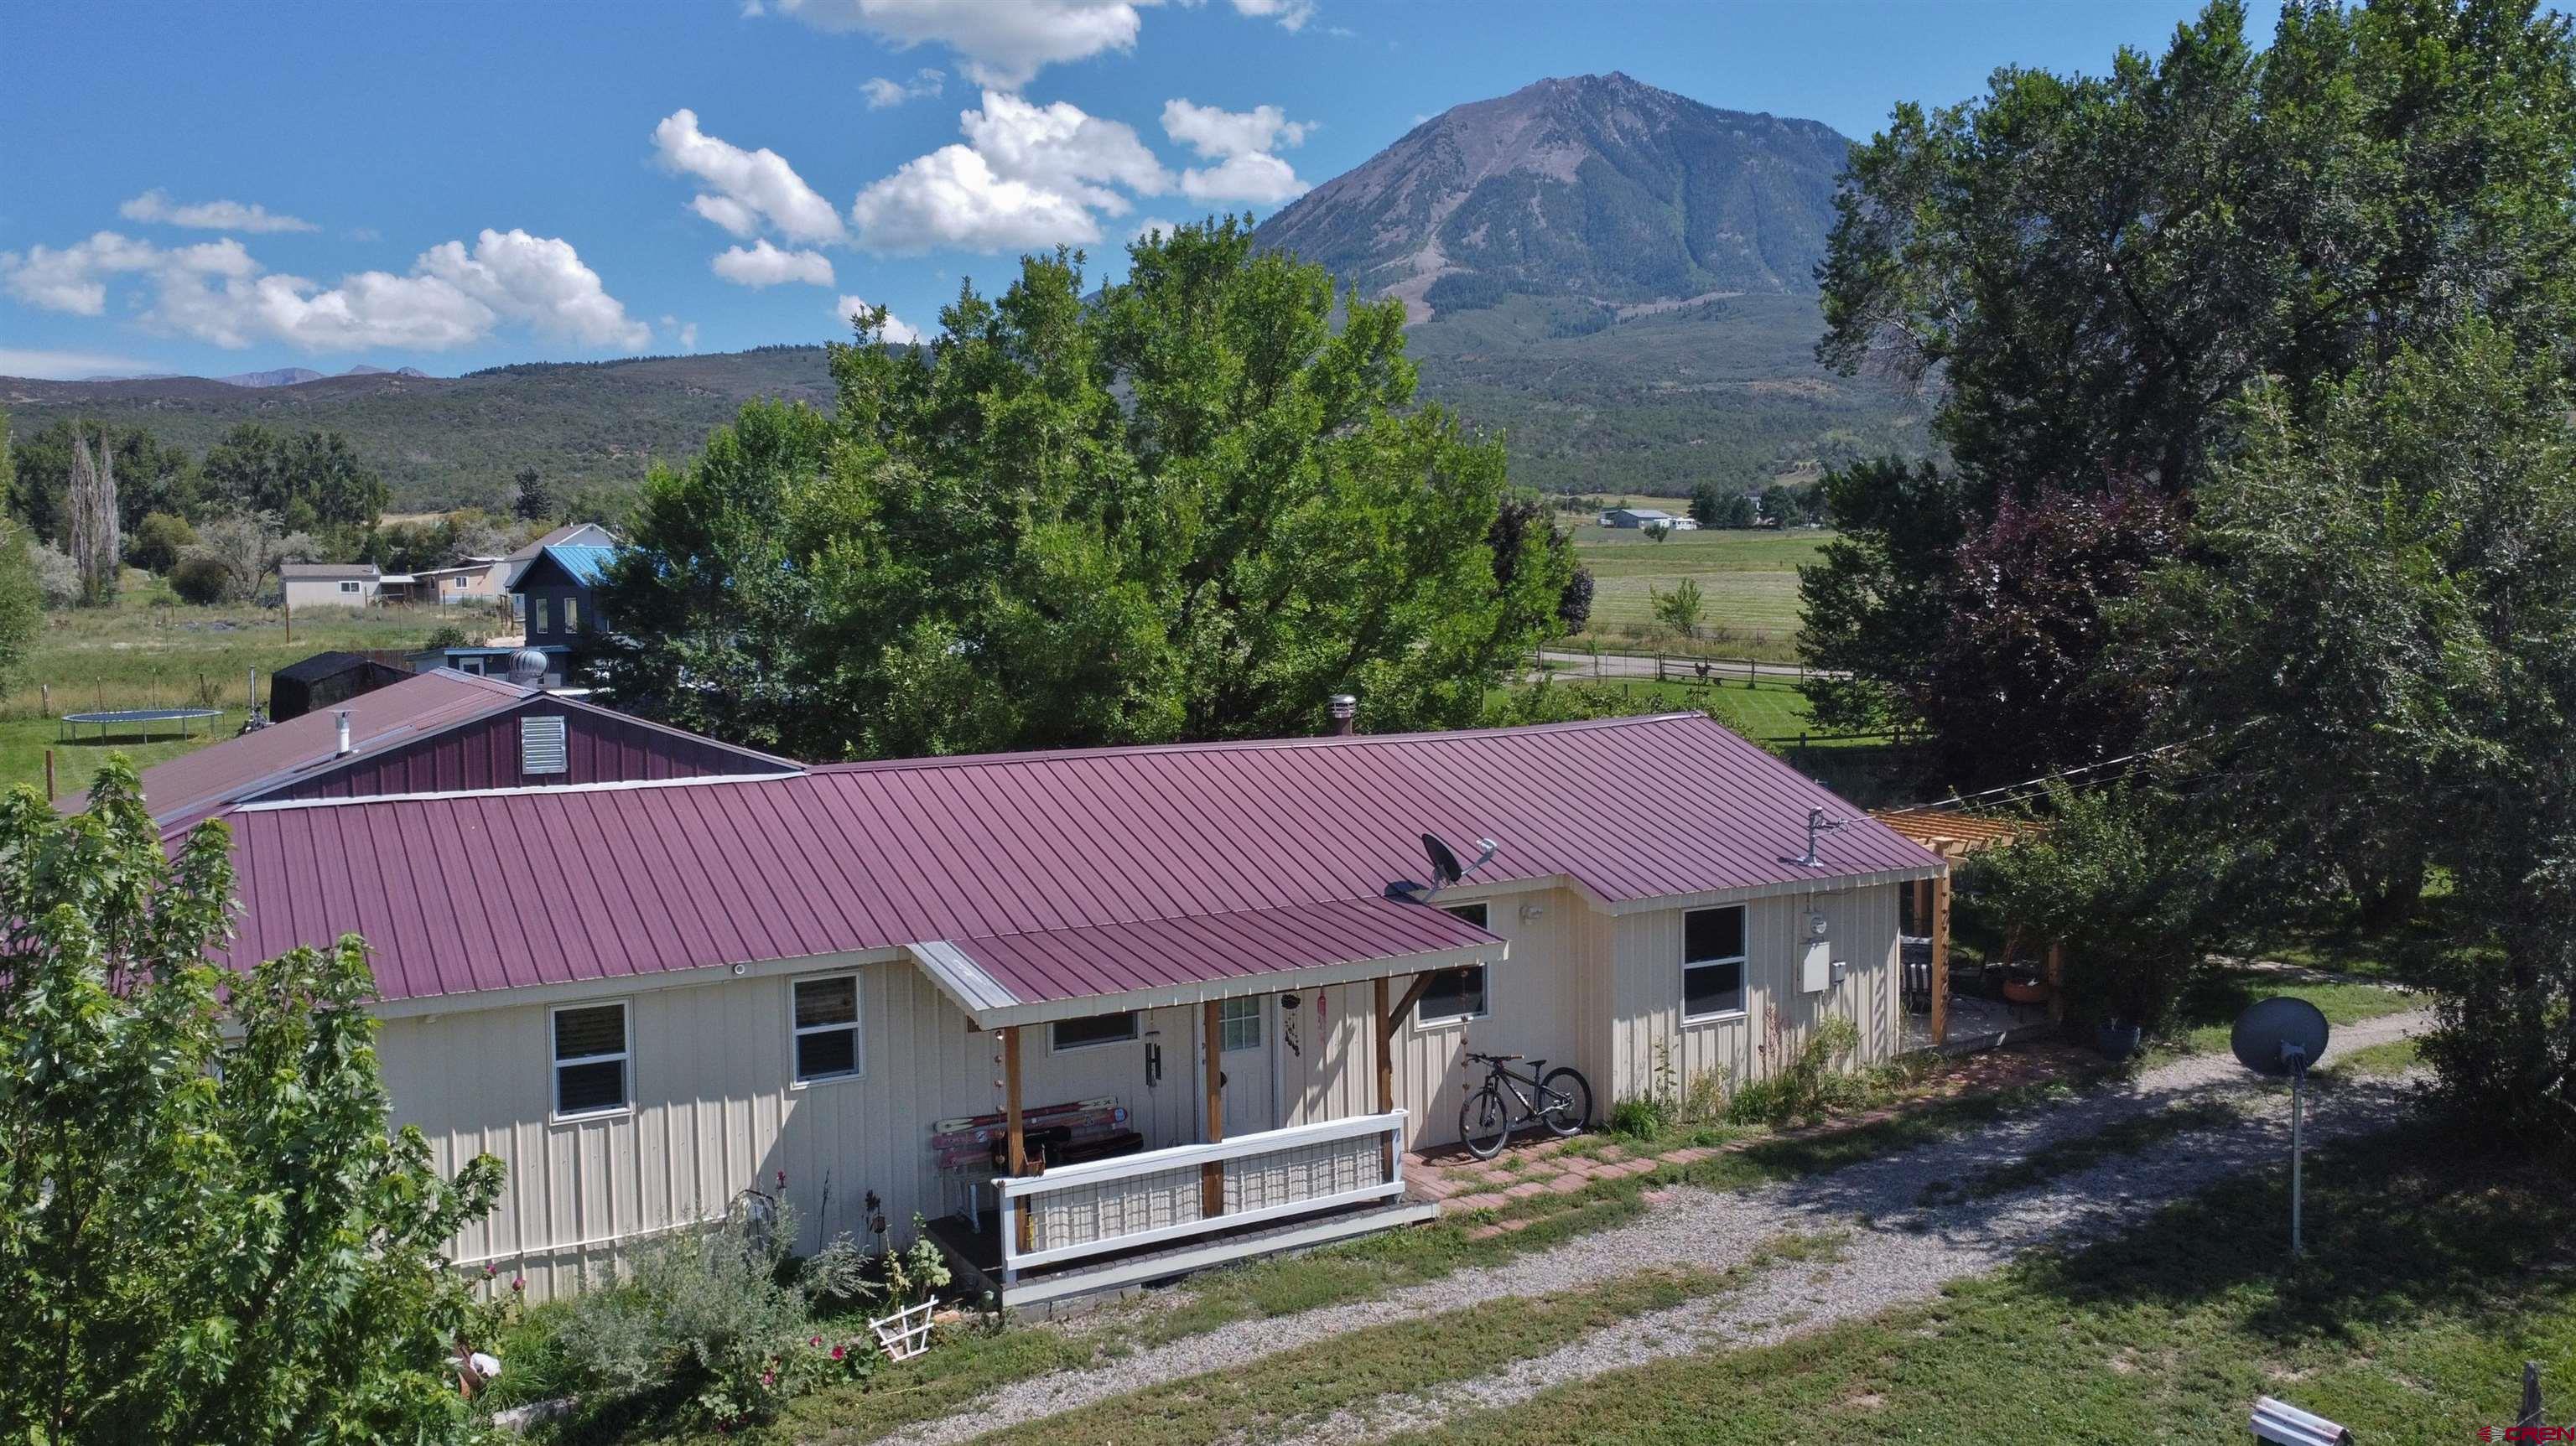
{"points": [[1955, 834]]}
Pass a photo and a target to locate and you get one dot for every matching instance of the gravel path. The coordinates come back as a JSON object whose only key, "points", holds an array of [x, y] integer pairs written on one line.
{"points": [[1897, 1249]]}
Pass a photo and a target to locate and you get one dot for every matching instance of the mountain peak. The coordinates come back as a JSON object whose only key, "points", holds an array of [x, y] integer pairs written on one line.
{"points": [[1589, 185]]}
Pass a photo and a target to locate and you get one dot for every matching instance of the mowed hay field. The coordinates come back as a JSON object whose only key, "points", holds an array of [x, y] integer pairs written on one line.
{"points": [[146, 651], [1748, 578]]}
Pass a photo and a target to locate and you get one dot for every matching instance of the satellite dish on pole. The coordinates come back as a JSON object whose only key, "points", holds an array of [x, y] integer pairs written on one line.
{"points": [[2279, 1037]]}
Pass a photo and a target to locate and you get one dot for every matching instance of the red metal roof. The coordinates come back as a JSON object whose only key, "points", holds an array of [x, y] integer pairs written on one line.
{"points": [[991, 975], [195, 784], [558, 885]]}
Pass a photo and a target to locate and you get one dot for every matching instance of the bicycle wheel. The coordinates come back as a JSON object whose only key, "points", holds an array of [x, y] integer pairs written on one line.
{"points": [[1483, 1124], [1566, 1107]]}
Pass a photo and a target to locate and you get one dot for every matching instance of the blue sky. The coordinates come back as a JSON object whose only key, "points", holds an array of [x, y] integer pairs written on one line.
{"points": [[215, 189]]}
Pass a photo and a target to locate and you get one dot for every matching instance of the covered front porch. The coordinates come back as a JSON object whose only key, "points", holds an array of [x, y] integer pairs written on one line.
{"points": [[1055, 1198]]}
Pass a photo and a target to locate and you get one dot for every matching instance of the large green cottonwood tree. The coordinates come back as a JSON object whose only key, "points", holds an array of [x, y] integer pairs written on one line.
{"points": [[2373, 668], [2090, 270], [207, 1235], [1185, 507]]}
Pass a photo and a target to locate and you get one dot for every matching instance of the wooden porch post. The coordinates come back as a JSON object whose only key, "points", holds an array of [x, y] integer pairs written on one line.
{"points": [[1212, 1174], [2057, 982], [1015, 1136], [1385, 1056], [1940, 961], [1390, 1018]]}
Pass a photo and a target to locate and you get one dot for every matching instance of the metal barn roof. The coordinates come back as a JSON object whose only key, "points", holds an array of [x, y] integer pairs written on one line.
{"points": [[1032, 865], [584, 565], [192, 785]]}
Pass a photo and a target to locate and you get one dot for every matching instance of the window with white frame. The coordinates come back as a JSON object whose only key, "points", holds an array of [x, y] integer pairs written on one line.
{"points": [[826, 1027], [1238, 1023], [1456, 995], [591, 1052], [348, 587], [1712, 963], [1097, 1029]]}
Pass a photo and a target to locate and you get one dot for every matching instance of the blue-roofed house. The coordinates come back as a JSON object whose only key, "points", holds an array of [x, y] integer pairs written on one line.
{"points": [[552, 592]]}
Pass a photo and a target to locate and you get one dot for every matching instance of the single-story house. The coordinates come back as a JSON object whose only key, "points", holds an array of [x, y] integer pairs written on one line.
{"points": [[329, 584], [1636, 517], [327, 678], [1107, 1015], [471, 579], [438, 731]]}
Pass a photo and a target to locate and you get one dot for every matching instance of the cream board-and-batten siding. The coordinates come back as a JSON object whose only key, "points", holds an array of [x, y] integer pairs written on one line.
{"points": [[714, 1109]]}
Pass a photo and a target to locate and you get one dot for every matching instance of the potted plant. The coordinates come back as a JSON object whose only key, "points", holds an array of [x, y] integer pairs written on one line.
{"points": [[2116, 1039]]}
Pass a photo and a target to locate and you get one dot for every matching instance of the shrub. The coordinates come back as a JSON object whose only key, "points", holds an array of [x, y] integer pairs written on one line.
{"points": [[160, 541], [1809, 1085], [1638, 1119], [720, 1322], [200, 580], [704, 1315], [2133, 892]]}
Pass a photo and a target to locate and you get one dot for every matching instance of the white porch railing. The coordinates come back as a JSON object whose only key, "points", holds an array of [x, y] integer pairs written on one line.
{"points": [[1133, 1200]]}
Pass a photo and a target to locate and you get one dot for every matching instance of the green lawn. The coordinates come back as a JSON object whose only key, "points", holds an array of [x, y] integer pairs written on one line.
{"points": [[2209, 1010], [2434, 1272], [1749, 580], [142, 653]]}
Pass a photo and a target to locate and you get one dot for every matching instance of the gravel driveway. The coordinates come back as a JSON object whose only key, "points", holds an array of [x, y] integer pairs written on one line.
{"points": [[1896, 1249]]}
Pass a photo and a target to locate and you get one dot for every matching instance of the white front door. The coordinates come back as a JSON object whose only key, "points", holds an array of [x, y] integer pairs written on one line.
{"points": [[1243, 1037]]}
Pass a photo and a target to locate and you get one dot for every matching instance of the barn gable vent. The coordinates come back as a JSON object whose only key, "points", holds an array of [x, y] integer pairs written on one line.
{"points": [[541, 745]]}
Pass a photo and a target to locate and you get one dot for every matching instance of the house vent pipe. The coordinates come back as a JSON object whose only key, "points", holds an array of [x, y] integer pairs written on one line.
{"points": [[343, 716], [1346, 710]]}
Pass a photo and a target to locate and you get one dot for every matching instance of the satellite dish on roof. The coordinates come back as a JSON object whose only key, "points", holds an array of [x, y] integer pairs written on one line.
{"points": [[2276, 1037], [1445, 869]]}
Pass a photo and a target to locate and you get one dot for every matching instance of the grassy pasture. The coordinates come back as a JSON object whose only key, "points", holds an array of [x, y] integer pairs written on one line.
{"points": [[1750, 580], [146, 651]]}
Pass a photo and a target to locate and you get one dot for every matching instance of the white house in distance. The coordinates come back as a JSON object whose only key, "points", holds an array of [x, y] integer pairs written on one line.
{"points": [[329, 584], [1104, 1016]]}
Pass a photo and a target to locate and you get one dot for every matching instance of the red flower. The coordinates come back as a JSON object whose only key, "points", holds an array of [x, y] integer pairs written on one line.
{"points": [[837, 1353], [769, 1378]]}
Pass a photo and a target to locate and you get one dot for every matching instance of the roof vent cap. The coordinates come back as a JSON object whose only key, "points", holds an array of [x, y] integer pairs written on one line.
{"points": [[528, 667]]}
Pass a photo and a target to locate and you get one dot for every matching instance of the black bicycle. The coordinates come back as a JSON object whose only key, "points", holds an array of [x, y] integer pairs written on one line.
{"points": [[1561, 1100]]}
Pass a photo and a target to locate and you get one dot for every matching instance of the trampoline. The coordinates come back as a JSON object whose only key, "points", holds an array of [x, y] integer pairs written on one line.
{"points": [[141, 719]]}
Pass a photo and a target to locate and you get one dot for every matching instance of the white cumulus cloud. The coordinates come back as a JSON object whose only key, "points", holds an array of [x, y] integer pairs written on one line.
{"points": [[74, 278], [216, 292], [761, 264], [1291, 14], [1063, 149], [1029, 175], [746, 188], [897, 330], [1241, 143], [1212, 132], [953, 197], [1259, 177], [155, 206], [999, 42], [539, 281], [882, 93]]}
